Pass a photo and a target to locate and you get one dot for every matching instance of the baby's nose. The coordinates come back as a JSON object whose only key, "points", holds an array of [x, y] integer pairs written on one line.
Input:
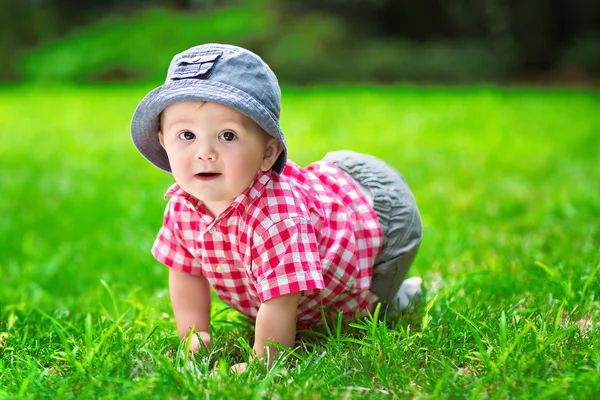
{"points": [[206, 151]]}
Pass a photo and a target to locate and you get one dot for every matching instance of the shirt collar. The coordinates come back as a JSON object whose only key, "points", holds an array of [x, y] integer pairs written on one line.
{"points": [[253, 192]]}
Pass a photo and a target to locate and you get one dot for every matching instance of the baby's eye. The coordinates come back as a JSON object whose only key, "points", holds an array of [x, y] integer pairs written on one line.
{"points": [[227, 136], [186, 135]]}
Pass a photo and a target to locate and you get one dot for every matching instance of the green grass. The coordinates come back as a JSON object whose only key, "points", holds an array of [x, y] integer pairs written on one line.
{"points": [[507, 182]]}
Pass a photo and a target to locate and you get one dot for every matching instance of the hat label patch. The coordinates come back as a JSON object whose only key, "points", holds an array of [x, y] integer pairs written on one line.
{"points": [[196, 67]]}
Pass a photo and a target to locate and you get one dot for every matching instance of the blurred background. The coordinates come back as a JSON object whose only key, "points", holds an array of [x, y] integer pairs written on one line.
{"points": [[546, 42]]}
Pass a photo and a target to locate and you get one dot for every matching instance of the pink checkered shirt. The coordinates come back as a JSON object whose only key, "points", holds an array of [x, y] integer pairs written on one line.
{"points": [[309, 229]]}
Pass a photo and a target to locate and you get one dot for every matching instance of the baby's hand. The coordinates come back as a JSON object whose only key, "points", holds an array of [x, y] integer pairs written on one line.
{"points": [[204, 337], [239, 368]]}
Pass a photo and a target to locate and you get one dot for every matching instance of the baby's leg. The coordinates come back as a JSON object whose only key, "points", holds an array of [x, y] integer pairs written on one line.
{"points": [[400, 222]]}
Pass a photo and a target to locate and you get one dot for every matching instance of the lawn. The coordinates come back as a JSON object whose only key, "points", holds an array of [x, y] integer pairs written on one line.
{"points": [[507, 182]]}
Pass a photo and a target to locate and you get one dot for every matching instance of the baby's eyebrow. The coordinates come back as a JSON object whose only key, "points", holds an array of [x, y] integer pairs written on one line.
{"points": [[170, 124]]}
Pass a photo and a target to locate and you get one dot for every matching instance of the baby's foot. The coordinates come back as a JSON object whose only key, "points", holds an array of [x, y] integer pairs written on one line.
{"points": [[408, 295]]}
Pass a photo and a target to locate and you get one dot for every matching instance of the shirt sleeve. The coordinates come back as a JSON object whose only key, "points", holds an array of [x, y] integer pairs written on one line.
{"points": [[170, 246], [286, 259]]}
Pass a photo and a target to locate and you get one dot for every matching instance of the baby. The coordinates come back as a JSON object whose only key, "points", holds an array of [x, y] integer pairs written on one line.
{"points": [[279, 243]]}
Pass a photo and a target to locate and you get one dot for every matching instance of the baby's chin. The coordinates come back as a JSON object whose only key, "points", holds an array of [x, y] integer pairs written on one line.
{"points": [[207, 198], [216, 207]]}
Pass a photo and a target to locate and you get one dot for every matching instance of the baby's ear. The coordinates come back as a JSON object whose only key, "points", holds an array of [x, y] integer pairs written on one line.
{"points": [[161, 139], [272, 151]]}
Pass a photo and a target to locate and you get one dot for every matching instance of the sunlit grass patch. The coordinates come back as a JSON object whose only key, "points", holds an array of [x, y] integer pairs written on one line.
{"points": [[507, 182]]}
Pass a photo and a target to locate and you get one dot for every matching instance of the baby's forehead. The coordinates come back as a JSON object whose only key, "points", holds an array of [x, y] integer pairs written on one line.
{"points": [[188, 111], [201, 108]]}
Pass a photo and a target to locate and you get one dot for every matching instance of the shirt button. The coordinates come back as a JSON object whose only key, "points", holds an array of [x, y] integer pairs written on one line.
{"points": [[212, 230], [219, 269]]}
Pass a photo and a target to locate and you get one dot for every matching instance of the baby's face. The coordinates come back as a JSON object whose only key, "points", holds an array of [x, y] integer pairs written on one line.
{"points": [[214, 151]]}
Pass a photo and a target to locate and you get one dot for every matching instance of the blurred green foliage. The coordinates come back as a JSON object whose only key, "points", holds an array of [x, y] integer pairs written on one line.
{"points": [[389, 61], [312, 48], [118, 48], [313, 41], [583, 55]]}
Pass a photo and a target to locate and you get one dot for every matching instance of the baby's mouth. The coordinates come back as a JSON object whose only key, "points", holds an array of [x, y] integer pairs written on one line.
{"points": [[206, 176]]}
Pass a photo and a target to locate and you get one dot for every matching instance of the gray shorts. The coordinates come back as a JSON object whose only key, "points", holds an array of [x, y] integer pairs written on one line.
{"points": [[398, 216]]}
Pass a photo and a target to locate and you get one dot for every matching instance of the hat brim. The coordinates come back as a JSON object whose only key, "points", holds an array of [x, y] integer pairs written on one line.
{"points": [[145, 120]]}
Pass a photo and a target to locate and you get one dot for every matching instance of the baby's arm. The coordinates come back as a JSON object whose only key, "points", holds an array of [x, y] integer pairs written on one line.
{"points": [[276, 322], [190, 298]]}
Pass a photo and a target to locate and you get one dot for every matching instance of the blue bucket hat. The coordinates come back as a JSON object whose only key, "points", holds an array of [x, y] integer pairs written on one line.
{"points": [[218, 73]]}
